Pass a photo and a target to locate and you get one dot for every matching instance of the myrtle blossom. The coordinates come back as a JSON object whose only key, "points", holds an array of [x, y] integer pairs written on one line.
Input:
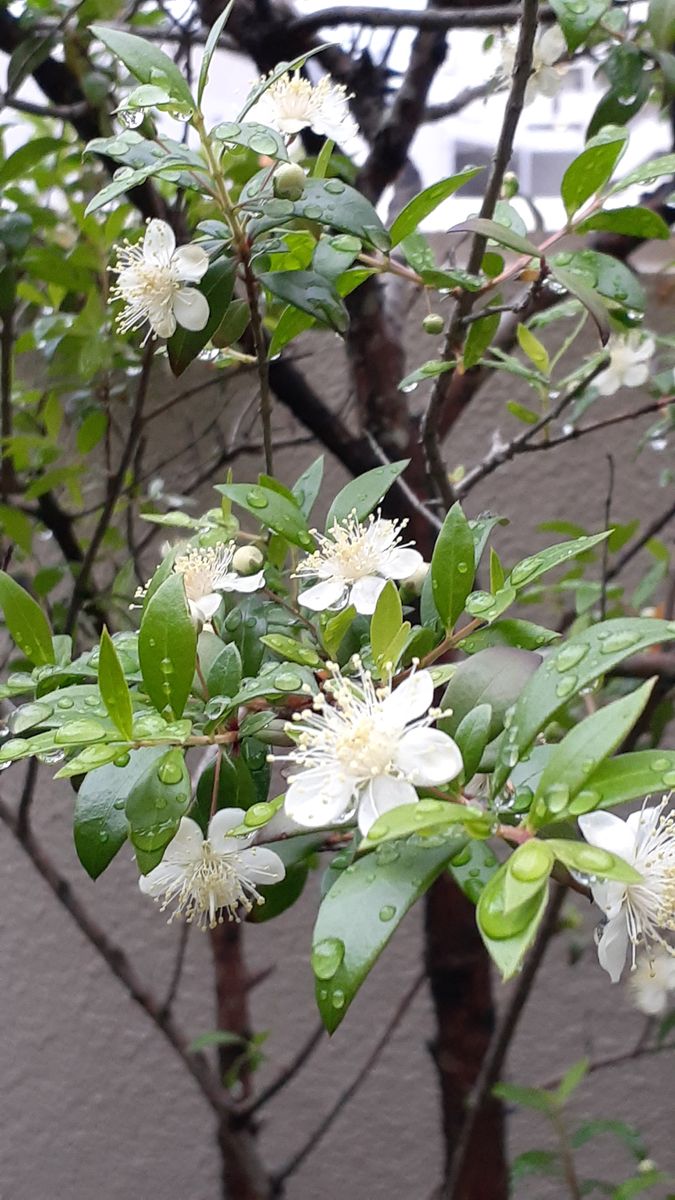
{"points": [[208, 877], [364, 749], [207, 571], [292, 103], [652, 982], [153, 278], [629, 356], [354, 561], [547, 74], [636, 912]]}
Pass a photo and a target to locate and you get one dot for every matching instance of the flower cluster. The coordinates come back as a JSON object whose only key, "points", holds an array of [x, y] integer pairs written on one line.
{"points": [[153, 278], [635, 913], [291, 103], [365, 749], [213, 875], [207, 571], [354, 561]]}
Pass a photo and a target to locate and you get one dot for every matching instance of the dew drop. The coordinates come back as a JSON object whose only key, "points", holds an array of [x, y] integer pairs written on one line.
{"points": [[617, 642], [566, 687], [259, 814], [557, 797], [327, 956], [570, 656], [65, 702], [669, 779], [286, 681], [523, 570], [531, 862], [130, 118], [479, 602], [79, 731], [387, 912], [122, 760], [338, 998], [170, 771], [585, 801], [660, 764]]}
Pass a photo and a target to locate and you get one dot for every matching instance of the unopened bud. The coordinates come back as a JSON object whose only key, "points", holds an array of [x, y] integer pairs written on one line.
{"points": [[510, 185], [289, 181], [247, 560], [433, 323], [412, 586]]}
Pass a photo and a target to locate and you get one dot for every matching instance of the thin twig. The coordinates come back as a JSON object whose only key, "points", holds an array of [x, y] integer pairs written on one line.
{"points": [[287, 1073], [402, 18], [605, 544], [176, 974], [647, 534], [322, 1128]]}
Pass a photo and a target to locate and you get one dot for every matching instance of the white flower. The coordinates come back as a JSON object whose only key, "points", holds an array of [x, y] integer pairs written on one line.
{"points": [[292, 103], [353, 563], [151, 279], [652, 981], [545, 77], [207, 572], [367, 748], [629, 356], [207, 877], [636, 912]]}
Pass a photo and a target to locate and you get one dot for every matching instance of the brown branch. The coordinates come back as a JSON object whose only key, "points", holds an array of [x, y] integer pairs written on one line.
{"points": [[322, 1128], [288, 1072], [502, 157], [477, 16], [177, 972], [649, 532]]}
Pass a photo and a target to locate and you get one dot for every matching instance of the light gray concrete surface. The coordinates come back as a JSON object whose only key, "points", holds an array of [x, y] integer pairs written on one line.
{"points": [[93, 1104]]}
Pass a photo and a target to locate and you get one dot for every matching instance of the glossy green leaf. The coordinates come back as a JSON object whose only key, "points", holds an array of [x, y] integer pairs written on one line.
{"points": [[578, 19], [26, 622], [427, 818], [147, 62], [309, 292], [422, 205], [508, 933], [386, 621], [509, 632], [579, 856], [634, 222], [570, 667], [603, 274], [472, 735], [361, 495], [498, 233], [100, 826], [156, 803], [306, 487], [577, 286], [211, 47], [661, 23], [167, 645], [272, 509], [578, 755], [335, 628], [254, 136], [631, 776], [292, 650], [233, 325], [495, 677], [452, 566], [428, 370], [184, 345], [530, 568], [591, 169], [113, 686], [360, 913], [32, 152], [649, 172], [331, 202], [479, 339], [473, 868]]}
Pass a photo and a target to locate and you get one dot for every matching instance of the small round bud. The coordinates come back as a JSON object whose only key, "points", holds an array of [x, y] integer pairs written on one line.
{"points": [[510, 185], [412, 586], [433, 323], [247, 560], [289, 181]]}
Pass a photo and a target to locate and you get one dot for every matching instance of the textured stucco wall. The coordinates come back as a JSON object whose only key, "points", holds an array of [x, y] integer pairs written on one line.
{"points": [[92, 1101]]}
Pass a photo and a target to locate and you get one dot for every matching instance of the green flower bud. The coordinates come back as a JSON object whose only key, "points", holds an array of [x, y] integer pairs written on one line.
{"points": [[247, 560], [289, 181], [510, 185], [433, 323]]}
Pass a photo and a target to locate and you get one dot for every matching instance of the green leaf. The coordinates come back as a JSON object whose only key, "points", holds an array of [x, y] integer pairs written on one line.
{"points": [[254, 136], [508, 932], [147, 62], [495, 677], [473, 868], [29, 155], [113, 686], [428, 819], [661, 23], [272, 509], [362, 910], [361, 495], [386, 621], [570, 667], [26, 622], [211, 47], [420, 206], [630, 1137], [233, 325], [472, 736], [155, 805], [649, 172], [479, 338], [576, 20], [591, 169], [306, 487], [167, 645], [603, 274], [217, 285], [528, 1097], [533, 348], [579, 856], [335, 628], [635, 222], [452, 566], [291, 650], [309, 292], [330, 201], [428, 370], [631, 776], [26, 58], [530, 568], [224, 674], [509, 632], [100, 825], [590, 299], [500, 234]]}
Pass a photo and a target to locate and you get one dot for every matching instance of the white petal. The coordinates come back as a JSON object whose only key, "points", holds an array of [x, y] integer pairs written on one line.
{"points": [[636, 374], [607, 382], [206, 606], [243, 583], [428, 756], [365, 592], [381, 795], [159, 243], [162, 321], [609, 896], [260, 865], [551, 45], [613, 947], [411, 699], [401, 563], [186, 847], [190, 262], [318, 797], [166, 877], [221, 823], [327, 594], [191, 309], [609, 832]]}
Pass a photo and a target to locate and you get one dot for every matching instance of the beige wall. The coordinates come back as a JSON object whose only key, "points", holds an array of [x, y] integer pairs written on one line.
{"points": [[94, 1105]]}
